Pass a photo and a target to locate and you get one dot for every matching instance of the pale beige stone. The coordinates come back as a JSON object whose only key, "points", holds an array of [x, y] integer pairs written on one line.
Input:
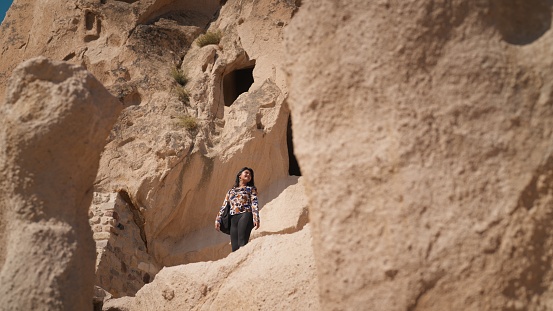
{"points": [[423, 130], [101, 235], [176, 179], [286, 213], [95, 34], [54, 123], [101, 244], [97, 228], [94, 220], [117, 271], [143, 266], [424, 133], [270, 273]]}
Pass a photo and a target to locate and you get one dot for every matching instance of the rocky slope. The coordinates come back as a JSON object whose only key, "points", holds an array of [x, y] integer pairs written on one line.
{"points": [[275, 271]]}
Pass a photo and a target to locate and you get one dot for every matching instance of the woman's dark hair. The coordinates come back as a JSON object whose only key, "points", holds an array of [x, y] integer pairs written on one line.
{"points": [[251, 183]]}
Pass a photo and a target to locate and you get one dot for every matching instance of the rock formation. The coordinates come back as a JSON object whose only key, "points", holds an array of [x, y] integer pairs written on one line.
{"points": [[54, 123], [274, 272], [194, 115], [423, 130], [173, 176]]}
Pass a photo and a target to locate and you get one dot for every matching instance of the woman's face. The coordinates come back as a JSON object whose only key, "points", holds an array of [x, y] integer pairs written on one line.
{"points": [[246, 176]]}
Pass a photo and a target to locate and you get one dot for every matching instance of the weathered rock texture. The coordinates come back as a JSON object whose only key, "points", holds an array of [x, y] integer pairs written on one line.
{"points": [[275, 271], [424, 134], [163, 175], [288, 212], [270, 273], [105, 36], [124, 264], [54, 124], [176, 178], [423, 130]]}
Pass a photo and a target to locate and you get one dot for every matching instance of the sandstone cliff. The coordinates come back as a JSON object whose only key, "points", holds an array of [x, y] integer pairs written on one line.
{"points": [[422, 128], [194, 114], [429, 124]]}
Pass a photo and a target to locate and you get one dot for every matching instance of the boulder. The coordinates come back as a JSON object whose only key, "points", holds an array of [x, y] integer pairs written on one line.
{"points": [[54, 125]]}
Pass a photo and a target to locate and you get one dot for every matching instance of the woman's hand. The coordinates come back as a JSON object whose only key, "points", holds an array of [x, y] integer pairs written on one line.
{"points": [[256, 224], [217, 226]]}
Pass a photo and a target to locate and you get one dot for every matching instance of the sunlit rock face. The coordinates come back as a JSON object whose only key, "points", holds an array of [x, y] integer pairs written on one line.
{"points": [[176, 147], [54, 123], [423, 131]]}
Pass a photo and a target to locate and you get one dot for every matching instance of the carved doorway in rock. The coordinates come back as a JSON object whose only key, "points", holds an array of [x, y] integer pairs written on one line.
{"points": [[237, 82]]}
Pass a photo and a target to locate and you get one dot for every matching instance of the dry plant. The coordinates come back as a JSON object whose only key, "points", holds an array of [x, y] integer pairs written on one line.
{"points": [[182, 94], [179, 76], [209, 38], [188, 122]]}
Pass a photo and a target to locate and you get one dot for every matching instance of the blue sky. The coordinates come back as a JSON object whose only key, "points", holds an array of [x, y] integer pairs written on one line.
{"points": [[4, 6]]}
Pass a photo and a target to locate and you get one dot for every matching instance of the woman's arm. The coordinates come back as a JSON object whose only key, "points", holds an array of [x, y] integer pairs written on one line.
{"points": [[255, 208], [221, 210]]}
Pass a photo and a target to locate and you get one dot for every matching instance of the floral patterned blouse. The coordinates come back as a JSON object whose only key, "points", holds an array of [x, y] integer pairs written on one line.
{"points": [[241, 200]]}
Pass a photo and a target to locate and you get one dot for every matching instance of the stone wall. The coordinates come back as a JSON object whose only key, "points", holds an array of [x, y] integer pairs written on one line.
{"points": [[123, 264]]}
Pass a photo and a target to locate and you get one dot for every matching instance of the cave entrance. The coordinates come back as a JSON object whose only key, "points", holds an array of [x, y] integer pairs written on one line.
{"points": [[293, 166], [236, 83]]}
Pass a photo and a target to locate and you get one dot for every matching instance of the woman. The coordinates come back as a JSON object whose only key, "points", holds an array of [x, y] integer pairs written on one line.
{"points": [[244, 212]]}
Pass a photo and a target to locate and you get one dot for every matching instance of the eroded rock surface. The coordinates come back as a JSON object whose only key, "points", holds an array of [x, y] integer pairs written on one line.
{"points": [[424, 134], [270, 273], [54, 124], [423, 130], [171, 156]]}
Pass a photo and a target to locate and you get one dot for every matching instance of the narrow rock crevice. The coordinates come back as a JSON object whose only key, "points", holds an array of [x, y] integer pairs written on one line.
{"points": [[138, 218]]}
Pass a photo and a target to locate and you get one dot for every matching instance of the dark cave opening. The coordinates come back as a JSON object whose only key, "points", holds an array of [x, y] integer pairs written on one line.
{"points": [[236, 83], [293, 165]]}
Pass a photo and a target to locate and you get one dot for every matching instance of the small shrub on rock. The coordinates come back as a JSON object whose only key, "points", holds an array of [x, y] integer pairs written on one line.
{"points": [[209, 38], [179, 76], [182, 94], [188, 122]]}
